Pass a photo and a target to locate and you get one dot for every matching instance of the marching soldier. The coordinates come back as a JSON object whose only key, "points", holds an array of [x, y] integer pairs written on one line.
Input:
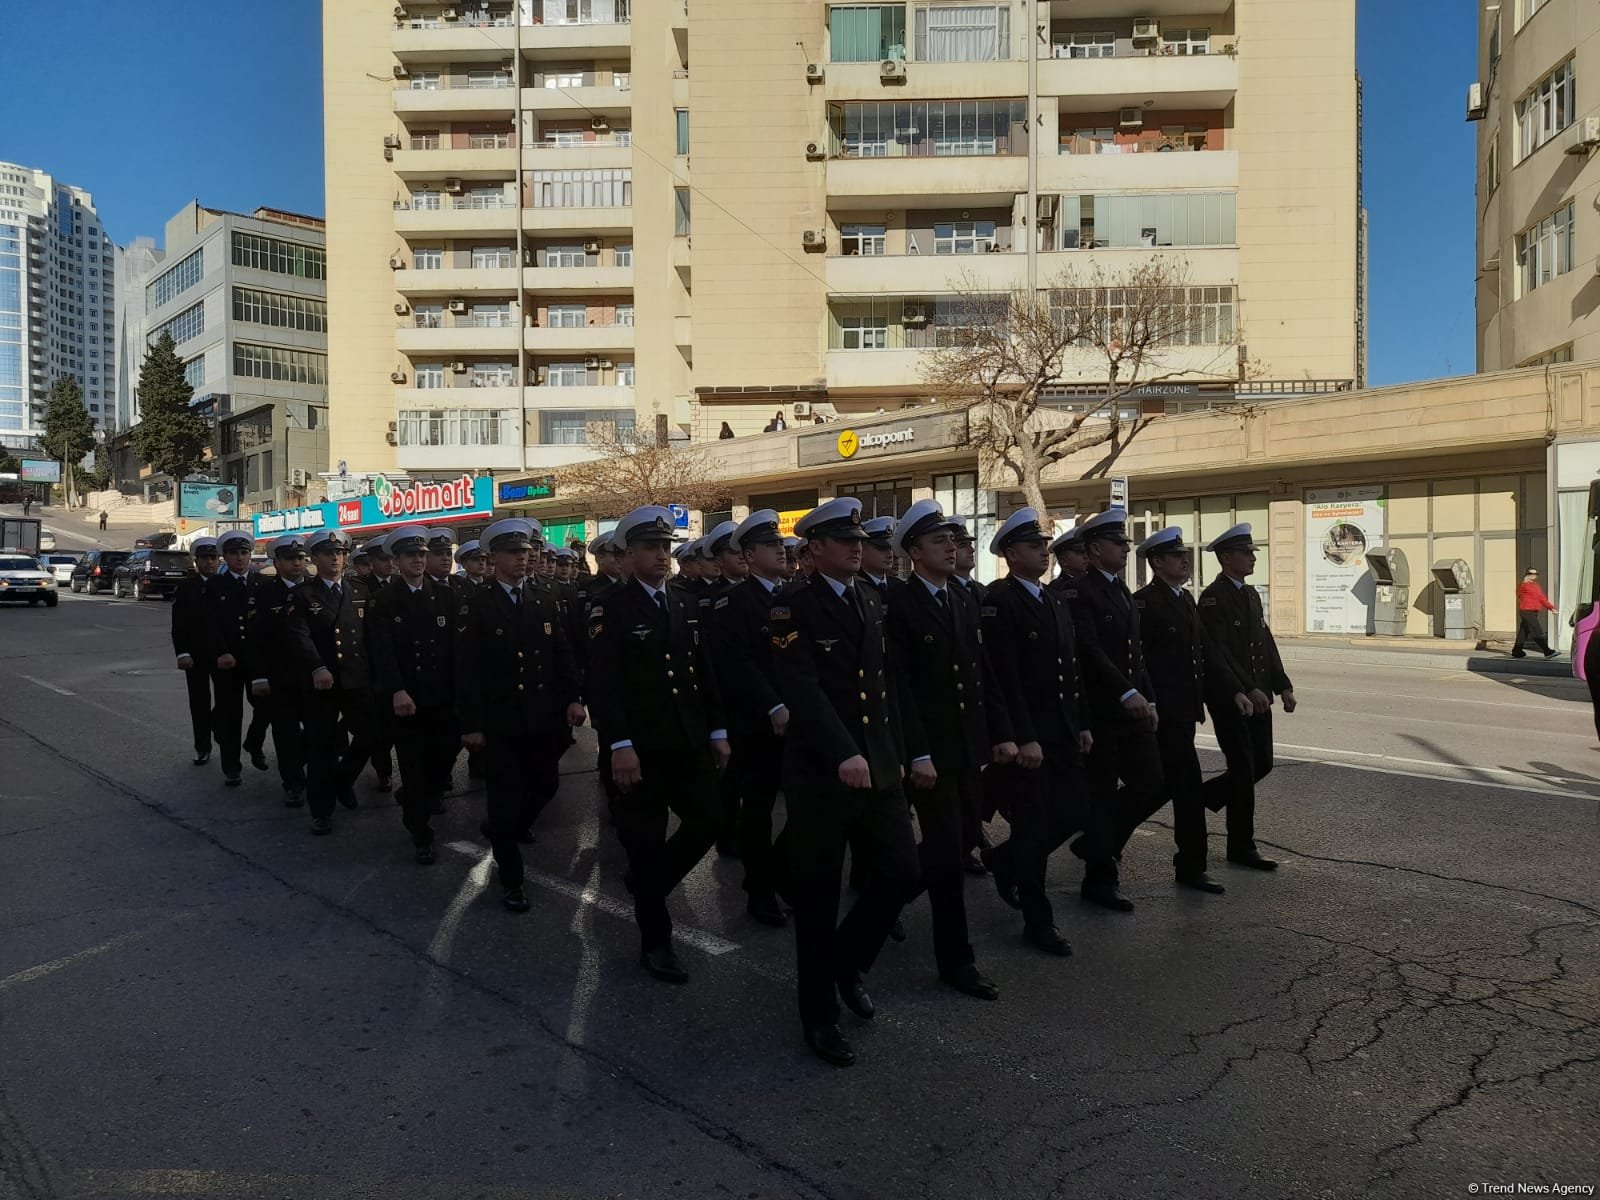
{"points": [[791, 557], [474, 564], [516, 695], [1029, 635], [411, 635], [381, 734], [361, 565], [441, 554], [741, 644], [732, 567], [973, 839], [1184, 668], [326, 633], [230, 601], [381, 564], [1231, 611], [274, 683], [842, 769], [654, 697], [966, 559], [731, 571], [1070, 559], [1119, 691], [877, 555], [688, 577], [191, 642], [954, 724]]}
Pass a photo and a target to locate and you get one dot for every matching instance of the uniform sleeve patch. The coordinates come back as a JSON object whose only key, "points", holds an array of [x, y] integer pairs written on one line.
{"points": [[722, 603], [989, 611], [784, 641], [596, 629], [596, 611], [780, 614], [1208, 601]]}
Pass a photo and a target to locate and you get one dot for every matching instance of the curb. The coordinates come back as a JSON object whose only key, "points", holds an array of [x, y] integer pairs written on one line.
{"points": [[1479, 662]]}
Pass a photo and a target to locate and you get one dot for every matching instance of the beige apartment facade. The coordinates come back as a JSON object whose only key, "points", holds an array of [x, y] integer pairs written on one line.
{"points": [[542, 215], [1538, 262]]}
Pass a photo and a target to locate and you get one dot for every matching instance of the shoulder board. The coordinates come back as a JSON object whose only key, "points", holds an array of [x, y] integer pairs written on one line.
{"points": [[721, 603], [990, 610], [596, 611], [1208, 601], [779, 614]]}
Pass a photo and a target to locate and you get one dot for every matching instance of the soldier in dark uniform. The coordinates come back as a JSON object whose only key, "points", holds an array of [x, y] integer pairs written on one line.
{"points": [[1119, 691], [411, 628], [966, 558], [1071, 560], [1184, 667], [954, 724], [191, 642], [380, 736], [1231, 611], [653, 694], [274, 682], [441, 555], [361, 565], [730, 571], [741, 646], [516, 690], [381, 564], [842, 768], [473, 560], [973, 839], [230, 601], [687, 576], [791, 557], [877, 555], [732, 566], [327, 638], [1029, 635]]}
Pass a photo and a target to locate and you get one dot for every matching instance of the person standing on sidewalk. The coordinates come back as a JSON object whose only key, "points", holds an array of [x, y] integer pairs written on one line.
{"points": [[102, 520], [1532, 604]]}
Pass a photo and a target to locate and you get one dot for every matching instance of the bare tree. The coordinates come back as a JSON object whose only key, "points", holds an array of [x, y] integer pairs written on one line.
{"points": [[636, 466], [1007, 354]]}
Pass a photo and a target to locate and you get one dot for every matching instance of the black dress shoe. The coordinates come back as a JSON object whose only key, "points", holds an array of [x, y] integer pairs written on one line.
{"points": [[231, 780], [897, 931], [1106, 895], [1200, 882], [293, 797], [515, 900], [525, 837], [1048, 938], [1004, 882], [972, 864], [663, 964], [1254, 860], [347, 797], [727, 847], [426, 855], [385, 784], [258, 759], [436, 807], [828, 1044], [321, 826], [202, 757], [973, 982], [765, 909], [855, 997]]}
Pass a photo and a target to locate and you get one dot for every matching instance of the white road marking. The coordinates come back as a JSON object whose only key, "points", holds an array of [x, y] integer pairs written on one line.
{"points": [[591, 895], [49, 687], [1523, 702], [59, 964]]}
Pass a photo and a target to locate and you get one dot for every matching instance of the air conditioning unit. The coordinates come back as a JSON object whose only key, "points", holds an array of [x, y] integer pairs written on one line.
{"points": [[592, 362], [453, 186], [397, 263], [1477, 102], [815, 152], [401, 309], [600, 124], [891, 68], [391, 142], [458, 307], [815, 73], [591, 247], [814, 239], [606, 364], [1047, 209], [393, 425], [391, 438], [397, 376], [1130, 118], [399, 13], [913, 314], [297, 478], [458, 367], [400, 72], [1583, 135], [1146, 29], [388, 154], [802, 408], [450, 14]]}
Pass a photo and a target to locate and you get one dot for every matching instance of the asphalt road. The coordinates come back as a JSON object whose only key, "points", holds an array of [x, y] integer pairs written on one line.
{"points": [[198, 999]]}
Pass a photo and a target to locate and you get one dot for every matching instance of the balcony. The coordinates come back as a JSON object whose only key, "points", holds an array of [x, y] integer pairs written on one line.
{"points": [[683, 332], [927, 80], [928, 182], [578, 281], [463, 458], [501, 398], [582, 95], [875, 370], [918, 274], [424, 41], [573, 156], [589, 339], [1201, 81], [612, 39], [1085, 173], [458, 218], [608, 396], [458, 100], [597, 221], [458, 337], [1206, 264], [456, 280], [421, 165]]}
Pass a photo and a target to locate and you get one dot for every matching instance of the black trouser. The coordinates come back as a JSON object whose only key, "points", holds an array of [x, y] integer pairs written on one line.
{"points": [[1132, 756], [426, 744], [1047, 806], [824, 816], [227, 718], [726, 805], [756, 769], [286, 705], [197, 680], [970, 785], [1246, 744], [380, 744], [338, 743], [679, 782], [1530, 631], [521, 774], [1180, 766], [942, 820]]}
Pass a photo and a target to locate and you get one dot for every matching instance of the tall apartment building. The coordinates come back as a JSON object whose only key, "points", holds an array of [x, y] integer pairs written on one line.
{"points": [[245, 300], [57, 302], [1538, 297], [137, 264], [549, 212]]}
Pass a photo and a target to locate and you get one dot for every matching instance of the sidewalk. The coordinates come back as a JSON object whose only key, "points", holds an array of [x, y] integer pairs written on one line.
{"points": [[1428, 653]]}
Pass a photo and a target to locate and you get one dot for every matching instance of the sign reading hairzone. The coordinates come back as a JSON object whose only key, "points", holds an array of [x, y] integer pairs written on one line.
{"points": [[925, 431]]}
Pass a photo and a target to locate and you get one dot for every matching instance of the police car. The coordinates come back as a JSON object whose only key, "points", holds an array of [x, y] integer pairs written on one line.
{"points": [[22, 578]]}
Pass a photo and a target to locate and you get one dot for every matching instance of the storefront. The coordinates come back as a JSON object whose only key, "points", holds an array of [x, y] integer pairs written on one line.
{"points": [[464, 504]]}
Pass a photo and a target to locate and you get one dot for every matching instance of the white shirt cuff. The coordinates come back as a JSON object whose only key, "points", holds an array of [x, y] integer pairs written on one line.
{"points": [[775, 708], [253, 682], [921, 758], [624, 744], [719, 735], [1129, 692]]}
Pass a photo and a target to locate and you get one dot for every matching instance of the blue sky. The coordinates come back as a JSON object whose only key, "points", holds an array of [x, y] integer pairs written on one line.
{"points": [[220, 100]]}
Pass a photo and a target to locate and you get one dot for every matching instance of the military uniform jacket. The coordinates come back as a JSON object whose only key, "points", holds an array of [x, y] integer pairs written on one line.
{"points": [[1238, 629], [190, 634], [831, 658], [1182, 661], [463, 587], [650, 678], [950, 710], [1034, 649], [269, 645], [411, 636], [1109, 647], [741, 653], [328, 629], [514, 669], [229, 606]]}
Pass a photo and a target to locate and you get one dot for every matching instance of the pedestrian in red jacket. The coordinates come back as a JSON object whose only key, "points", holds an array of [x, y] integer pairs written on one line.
{"points": [[1532, 604]]}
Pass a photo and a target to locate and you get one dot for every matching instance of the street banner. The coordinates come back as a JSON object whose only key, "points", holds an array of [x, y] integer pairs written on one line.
{"points": [[1342, 525], [208, 501]]}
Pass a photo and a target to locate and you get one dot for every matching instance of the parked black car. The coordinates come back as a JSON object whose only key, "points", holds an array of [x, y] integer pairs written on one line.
{"points": [[146, 573], [94, 569]]}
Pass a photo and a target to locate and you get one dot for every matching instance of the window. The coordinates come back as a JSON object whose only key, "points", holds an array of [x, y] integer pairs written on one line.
{"points": [[866, 32], [282, 312], [424, 139], [279, 256], [488, 78], [1561, 354], [565, 256], [427, 258], [623, 255], [428, 316], [1189, 316], [171, 284], [492, 258], [593, 188], [963, 33], [1546, 110], [927, 129], [430, 375], [1087, 45], [566, 374], [963, 237], [583, 12], [1146, 219], [454, 427], [1185, 41], [190, 323], [1526, 9], [425, 81], [571, 428], [194, 372], [567, 316], [683, 130], [864, 332], [680, 212], [1492, 169], [1545, 251], [491, 196], [491, 316], [624, 314], [492, 375], [487, 139], [865, 240], [283, 366], [624, 374]]}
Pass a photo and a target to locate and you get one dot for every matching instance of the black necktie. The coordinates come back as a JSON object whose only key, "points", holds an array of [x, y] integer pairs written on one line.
{"points": [[516, 597], [661, 601], [938, 599]]}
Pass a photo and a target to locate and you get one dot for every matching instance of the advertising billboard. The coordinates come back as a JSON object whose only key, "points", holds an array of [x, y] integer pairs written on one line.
{"points": [[41, 470], [208, 501], [1342, 524], [390, 504]]}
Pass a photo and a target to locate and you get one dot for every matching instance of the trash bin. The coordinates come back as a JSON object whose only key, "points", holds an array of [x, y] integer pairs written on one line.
{"points": [[1391, 597], [1460, 617]]}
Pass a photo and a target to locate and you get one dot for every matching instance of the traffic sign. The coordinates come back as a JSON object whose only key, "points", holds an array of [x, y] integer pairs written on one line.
{"points": [[1119, 491], [680, 516]]}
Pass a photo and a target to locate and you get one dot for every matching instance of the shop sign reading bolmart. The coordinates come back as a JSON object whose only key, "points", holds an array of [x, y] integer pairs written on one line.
{"points": [[389, 504]]}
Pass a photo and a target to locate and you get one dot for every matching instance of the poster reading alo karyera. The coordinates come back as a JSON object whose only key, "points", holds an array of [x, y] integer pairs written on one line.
{"points": [[1342, 525]]}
